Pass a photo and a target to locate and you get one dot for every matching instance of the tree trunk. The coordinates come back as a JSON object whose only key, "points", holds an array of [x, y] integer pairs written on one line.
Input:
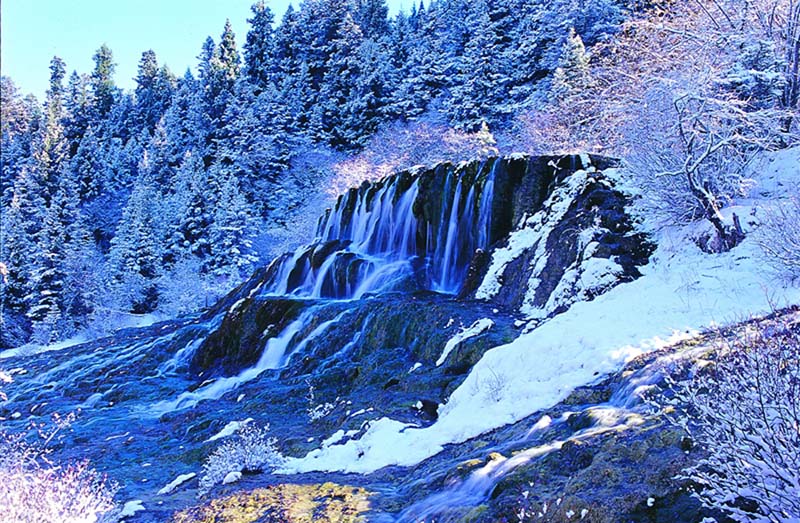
{"points": [[729, 235]]}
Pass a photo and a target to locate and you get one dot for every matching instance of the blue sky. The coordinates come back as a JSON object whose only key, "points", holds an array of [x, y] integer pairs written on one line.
{"points": [[33, 31]]}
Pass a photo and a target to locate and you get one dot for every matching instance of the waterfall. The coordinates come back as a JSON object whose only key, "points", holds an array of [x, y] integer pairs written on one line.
{"points": [[369, 241], [485, 212], [274, 356]]}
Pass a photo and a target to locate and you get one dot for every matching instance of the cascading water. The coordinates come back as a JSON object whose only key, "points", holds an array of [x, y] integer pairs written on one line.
{"points": [[373, 237], [275, 355], [620, 412]]}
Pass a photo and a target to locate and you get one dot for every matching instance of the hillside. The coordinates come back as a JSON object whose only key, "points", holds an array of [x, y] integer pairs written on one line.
{"points": [[490, 261]]}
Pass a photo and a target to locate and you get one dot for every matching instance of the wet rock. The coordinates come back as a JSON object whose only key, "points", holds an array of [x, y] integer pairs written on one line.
{"points": [[240, 339], [428, 409], [575, 455], [475, 271]]}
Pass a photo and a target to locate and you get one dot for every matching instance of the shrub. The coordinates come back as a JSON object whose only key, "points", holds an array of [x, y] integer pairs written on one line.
{"points": [[250, 451], [36, 489], [779, 238], [745, 413]]}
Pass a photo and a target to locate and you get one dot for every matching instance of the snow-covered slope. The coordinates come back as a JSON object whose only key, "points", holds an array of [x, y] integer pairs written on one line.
{"points": [[682, 291]]}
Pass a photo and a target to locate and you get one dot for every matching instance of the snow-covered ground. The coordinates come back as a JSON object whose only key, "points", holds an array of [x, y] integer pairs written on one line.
{"points": [[682, 291]]}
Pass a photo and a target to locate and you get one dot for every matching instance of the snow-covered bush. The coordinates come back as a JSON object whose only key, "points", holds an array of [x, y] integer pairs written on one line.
{"points": [[36, 489], [406, 144], [251, 450], [745, 413], [317, 411], [779, 238]]}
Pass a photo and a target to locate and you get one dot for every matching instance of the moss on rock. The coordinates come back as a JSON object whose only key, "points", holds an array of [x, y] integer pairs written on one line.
{"points": [[286, 503]]}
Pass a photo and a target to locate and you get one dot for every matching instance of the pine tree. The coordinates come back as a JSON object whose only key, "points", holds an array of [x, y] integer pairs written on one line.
{"points": [[81, 258], [60, 281], [47, 278], [432, 59], [78, 105], [21, 223], [258, 143], [102, 81], [228, 57], [219, 70], [19, 120], [370, 15], [192, 212], [154, 89], [482, 81], [219, 74], [259, 48], [231, 233], [50, 148], [572, 73], [403, 103], [186, 123], [159, 153], [342, 71], [16, 251], [287, 46], [367, 107], [88, 165], [136, 250], [296, 95]]}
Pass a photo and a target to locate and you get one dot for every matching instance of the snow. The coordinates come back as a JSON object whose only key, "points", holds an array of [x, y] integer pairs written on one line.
{"points": [[229, 429], [32, 349], [473, 330], [171, 486], [532, 233], [236, 305], [232, 477], [681, 292], [131, 507]]}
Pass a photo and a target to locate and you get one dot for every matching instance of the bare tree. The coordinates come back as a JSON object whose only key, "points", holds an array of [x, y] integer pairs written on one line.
{"points": [[688, 94]]}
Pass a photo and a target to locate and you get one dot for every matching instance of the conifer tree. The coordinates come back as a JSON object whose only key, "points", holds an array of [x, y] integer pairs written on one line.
{"points": [[287, 46], [186, 123], [192, 212], [481, 83], [367, 107], [231, 233], [136, 248], [102, 81], [154, 89], [21, 223], [370, 15], [50, 146], [88, 165], [342, 71], [259, 48], [572, 73], [48, 275], [78, 104], [19, 120]]}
